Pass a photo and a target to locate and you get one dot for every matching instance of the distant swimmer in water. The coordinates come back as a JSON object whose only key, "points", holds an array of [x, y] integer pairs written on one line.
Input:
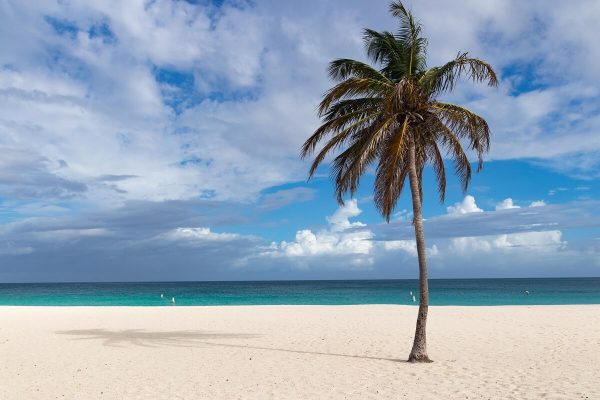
{"points": [[414, 299], [527, 292], [173, 300], [162, 296]]}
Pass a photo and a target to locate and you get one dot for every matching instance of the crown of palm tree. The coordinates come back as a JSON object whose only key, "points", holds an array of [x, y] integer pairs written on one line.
{"points": [[374, 114]]}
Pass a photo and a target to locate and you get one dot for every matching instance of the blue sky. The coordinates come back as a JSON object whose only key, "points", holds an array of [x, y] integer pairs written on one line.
{"points": [[159, 141]]}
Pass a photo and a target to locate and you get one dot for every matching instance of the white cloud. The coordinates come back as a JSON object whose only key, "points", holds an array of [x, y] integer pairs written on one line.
{"points": [[506, 204], [95, 105], [343, 242], [159, 238], [200, 234], [535, 110], [468, 205], [308, 243], [338, 239], [258, 71], [530, 238], [528, 241], [340, 220]]}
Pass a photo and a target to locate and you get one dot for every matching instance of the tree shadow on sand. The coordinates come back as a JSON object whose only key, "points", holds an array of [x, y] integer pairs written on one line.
{"points": [[139, 337]]}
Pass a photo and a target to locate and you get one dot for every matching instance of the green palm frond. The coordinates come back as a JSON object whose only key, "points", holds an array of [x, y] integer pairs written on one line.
{"points": [[465, 124], [441, 79], [350, 165], [437, 162], [345, 68], [462, 166], [409, 34], [340, 137], [343, 108], [392, 171], [383, 48], [352, 87]]}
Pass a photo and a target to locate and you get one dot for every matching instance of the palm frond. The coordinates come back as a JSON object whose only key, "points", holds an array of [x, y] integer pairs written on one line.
{"points": [[337, 141], [462, 166], [344, 68], [343, 108], [440, 79], [383, 48], [409, 29], [349, 166], [421, 138], [465, 124], [391, 171], [352, 87], [437, 162], [409, 34]]}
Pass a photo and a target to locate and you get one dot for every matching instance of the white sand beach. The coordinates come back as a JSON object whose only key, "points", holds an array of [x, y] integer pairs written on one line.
{"points": [[298, 352]]}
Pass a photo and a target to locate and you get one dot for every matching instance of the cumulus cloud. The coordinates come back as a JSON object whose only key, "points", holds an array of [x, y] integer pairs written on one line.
{"points": [[529, 238], [506, 204], [338, 239], [468, 205], [340, 220], [342, 242]]}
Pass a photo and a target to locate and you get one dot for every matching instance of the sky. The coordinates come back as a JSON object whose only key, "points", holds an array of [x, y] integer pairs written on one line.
{"points": [[159, 140]]}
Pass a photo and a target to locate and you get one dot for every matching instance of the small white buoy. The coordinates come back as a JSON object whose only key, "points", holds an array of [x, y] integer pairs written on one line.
{"points": [[414, 299], [162, 296], [411, 293], [527, 292], [173, 300]]}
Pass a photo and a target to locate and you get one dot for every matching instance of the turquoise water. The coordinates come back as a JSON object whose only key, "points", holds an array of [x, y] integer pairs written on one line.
{"points": [[472, 292]]}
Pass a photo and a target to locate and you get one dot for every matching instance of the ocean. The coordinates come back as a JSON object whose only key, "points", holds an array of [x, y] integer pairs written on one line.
{"points": [[466, 292]]}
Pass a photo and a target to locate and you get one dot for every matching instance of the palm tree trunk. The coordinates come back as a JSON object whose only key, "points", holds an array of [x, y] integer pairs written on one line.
{"points": [[419, 349]]}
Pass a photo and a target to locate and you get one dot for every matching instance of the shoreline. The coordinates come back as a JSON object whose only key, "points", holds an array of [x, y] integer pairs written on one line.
{"points": [[298, 351]]}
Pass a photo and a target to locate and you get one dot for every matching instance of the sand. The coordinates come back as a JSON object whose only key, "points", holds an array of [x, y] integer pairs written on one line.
{"points": [[298, 352]]}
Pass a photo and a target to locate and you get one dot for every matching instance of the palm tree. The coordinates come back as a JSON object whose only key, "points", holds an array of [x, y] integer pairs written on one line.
{"points": [[388, 115]]}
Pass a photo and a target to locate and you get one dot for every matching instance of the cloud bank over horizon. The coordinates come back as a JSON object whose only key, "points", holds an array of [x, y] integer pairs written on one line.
{"points": [[475, 243]]}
